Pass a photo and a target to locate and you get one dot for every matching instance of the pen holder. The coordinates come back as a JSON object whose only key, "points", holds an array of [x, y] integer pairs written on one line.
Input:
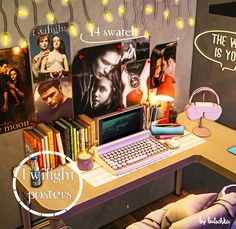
{"points": [[85, 161]]}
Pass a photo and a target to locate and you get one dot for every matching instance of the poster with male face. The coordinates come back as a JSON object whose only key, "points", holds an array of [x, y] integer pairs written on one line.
{"points": [[53, 99], [163, 62], [16, 97], [50, 52], [97, 85]]}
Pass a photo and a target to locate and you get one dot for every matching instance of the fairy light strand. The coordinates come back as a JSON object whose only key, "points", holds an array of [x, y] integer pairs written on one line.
{"points": [[16, 21], [124, 15], [52, 12], [143, 16], [35, 12], [4, 17], [135, 12], [167, 9], [155, 3], [71, 12], [85, 10]]}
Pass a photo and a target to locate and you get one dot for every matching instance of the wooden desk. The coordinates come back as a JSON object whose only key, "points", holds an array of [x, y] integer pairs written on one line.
{"points": [[212, 154]]}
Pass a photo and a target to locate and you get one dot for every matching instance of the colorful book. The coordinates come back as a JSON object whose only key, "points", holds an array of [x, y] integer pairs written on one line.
{"points": [[81, 131], [87, 131], [30, 144], [65, 136], [44, 143], [49, 132], [59, 145], [90, 121]]}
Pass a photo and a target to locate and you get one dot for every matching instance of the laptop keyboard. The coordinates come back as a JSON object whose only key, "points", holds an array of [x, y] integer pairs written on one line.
{"points": [[133, 156]]}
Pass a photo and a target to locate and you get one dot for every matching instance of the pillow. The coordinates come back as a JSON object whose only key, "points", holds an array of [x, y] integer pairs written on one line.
{"points": [[216, 216], [152, 220], [187, 207]]}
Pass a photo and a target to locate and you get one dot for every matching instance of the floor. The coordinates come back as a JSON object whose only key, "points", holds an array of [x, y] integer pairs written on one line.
{"points": [[139, 214]]}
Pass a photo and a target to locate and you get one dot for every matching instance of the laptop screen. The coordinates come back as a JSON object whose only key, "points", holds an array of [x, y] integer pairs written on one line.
{"points": [[120, 124]]}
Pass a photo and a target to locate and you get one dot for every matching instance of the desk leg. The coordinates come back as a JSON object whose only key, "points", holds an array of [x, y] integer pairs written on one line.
{"points": [[54, 223], [25, 214], [178, 181]]}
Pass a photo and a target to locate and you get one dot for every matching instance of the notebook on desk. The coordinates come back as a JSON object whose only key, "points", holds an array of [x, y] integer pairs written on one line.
{"points": [[123, 143]]}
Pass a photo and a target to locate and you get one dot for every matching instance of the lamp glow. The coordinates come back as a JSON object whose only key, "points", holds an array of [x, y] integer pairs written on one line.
{"points": [[90, 26], [191, 21], [148, 9], [73, 29], [121, 10], [180, 23], [177, 2], [166, 14], [23, 43], [16, 50], [5, 39], [50, 17], [108, 16], [134, 30], [147, 34], [22, 12]]}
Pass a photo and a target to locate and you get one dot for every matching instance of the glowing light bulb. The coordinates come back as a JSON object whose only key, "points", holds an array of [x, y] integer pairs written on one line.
{"points": [[177, 2], [5, 39], [191, 21], [65, 2], [105, 2], [73, 29], [121, 10], [134, 30], [22, 12], [23, 43], [50, 17], [90, 25], [108, 16], [180, 23], [16, 50], [148, 9], [166, 14], [147, 34]]}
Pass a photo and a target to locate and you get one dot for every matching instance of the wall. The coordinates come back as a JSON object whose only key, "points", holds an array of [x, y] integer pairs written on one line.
{"points": [[11, 144]]}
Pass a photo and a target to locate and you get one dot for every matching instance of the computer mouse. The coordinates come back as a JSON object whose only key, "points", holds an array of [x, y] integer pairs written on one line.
{"points": [[172, 143]]}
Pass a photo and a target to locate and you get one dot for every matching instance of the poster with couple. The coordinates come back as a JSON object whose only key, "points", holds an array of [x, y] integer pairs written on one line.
{"points": [[50, 52], [110, 77], [16, 97]]}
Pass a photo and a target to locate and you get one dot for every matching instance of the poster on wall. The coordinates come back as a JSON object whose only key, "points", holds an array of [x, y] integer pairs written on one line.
{"points": [[50, 52], [163, 62], [101, 79], [16, 97], [53, 99], [214, 57]]}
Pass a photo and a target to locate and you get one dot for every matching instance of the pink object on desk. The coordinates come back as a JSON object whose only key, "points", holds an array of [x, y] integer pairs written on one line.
{"points": [[85, 161]]}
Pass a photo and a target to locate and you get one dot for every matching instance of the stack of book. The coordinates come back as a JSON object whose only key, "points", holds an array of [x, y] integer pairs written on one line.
{"points": [[69, 137]]}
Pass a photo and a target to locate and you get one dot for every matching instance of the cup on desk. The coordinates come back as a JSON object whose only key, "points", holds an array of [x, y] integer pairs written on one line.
{"points": [[85, 161]]}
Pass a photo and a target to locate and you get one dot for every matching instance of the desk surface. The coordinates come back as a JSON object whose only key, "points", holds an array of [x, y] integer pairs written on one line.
{"points": [[212, 154]]}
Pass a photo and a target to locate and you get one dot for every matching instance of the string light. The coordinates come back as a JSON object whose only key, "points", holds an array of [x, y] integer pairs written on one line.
{"points": [[105, 2], [180, 23], [35, 12], [65, 2], [166, 14], [121, 10], [177, 2], [50, 17], [191, 21], [23, 43], [147, 34], [134, 30], [90, 26], [148, 9], [6, 39], [73, 29], [16, 50], [155, 8], [22, 12], [108, 16]]}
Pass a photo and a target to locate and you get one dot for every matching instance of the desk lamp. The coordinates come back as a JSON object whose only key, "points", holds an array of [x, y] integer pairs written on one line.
{"points": [[166, 92]]}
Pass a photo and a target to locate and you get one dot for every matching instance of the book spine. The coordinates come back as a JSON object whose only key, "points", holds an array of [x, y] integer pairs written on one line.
{"points": [[74, 155], [93, 132], [40, 157], [55, 149], [60, 149], [44, 156], [47, 155], [82, 140], [51, 148], [78, 144]]}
